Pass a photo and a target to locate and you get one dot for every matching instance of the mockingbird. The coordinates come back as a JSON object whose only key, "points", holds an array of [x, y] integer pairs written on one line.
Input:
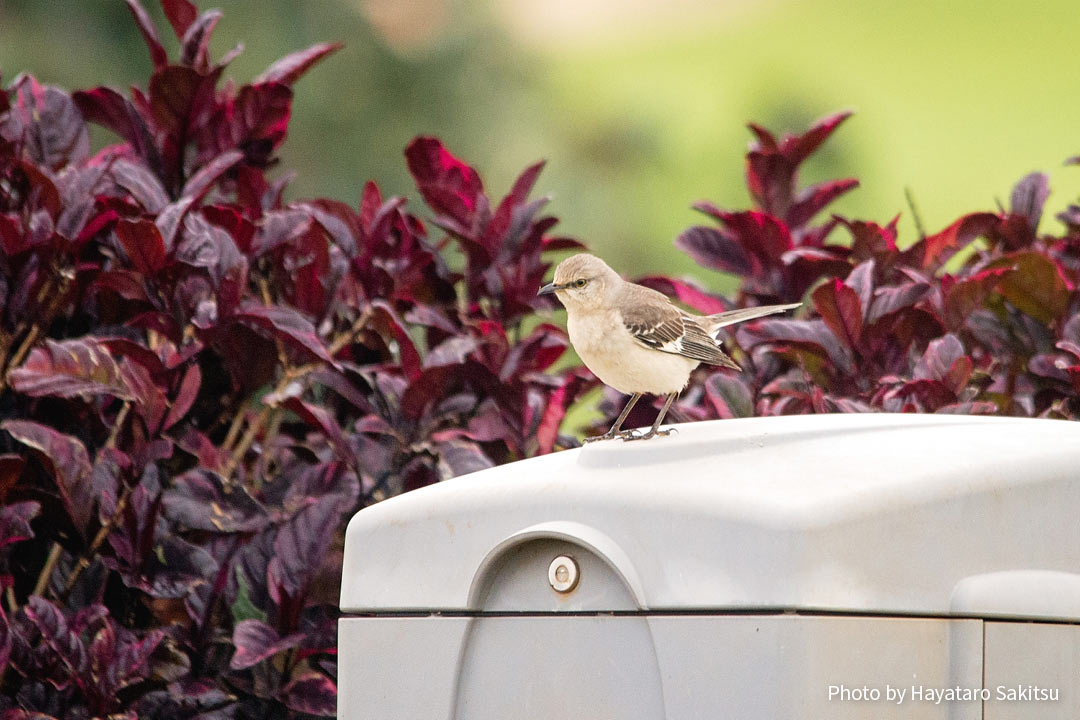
{"points": [[634, 339]]}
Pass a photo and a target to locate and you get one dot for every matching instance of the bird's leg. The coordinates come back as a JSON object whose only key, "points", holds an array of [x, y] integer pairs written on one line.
{"points": [[614, 431], [653, 431]]}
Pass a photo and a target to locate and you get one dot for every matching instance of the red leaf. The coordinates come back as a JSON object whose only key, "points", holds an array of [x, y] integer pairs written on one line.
{"points": [[68, 369], [194, 45], [729, 395], [149, 33], [256, 641], [111, 110], [964, 296], [143, 245], [409, 357], [840, 308], [201, 182], [185, 396], [547, 432], [759, 233], [815, 198], [448, 185], [716, 249], [285, 323], [935, 250], [1038, 286], [288, 69], [686, 292], [941, 354], [312, 693], [1028, 197], [180, 14], [69, 461], [894, 298], [799, 147]]}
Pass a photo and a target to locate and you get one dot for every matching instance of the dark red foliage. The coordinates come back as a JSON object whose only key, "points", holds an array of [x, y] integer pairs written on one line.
{"points": [[201, 382], [981, 317]]}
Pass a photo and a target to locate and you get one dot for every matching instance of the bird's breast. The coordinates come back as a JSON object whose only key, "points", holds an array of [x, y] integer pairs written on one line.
{"points": [[611, 353]]}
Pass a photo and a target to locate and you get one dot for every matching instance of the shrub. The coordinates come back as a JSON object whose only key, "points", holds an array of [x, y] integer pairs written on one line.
{"points": [[981, 317], [200, 382]]}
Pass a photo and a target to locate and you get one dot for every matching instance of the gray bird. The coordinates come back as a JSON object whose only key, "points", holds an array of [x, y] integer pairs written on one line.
{"points": [[634, 339]]}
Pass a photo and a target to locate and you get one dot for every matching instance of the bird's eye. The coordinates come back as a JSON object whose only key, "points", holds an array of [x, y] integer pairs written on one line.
{"points": [[580, 282]]}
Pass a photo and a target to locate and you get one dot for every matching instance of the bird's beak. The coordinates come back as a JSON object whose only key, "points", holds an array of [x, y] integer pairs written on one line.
{"points": [[548, 289]]}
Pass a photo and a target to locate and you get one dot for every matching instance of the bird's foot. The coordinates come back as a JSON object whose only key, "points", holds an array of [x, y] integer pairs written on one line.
{"points": [[606, 436], [650, 434]]}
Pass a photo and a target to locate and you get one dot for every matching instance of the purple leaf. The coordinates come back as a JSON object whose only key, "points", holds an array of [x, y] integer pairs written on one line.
{"points": [[256, 641], [284, 323], [460, 457], [964, 296], [840, 308], [149, 33], [934, 250], [15, 522], [50, 622], [686, 292], [185, 396], [1038, 286], [939, 358], [312, 693], [201, 182], [729, 396], [72, 368], [288, 69], [49, 124], [713, 248], [69, 461], [180, 14], [143, 244], [888, 300], [201, 500], [1028, 198], [138, 180], [300, 546], [815, 198], [194, 45], [448, 185]]}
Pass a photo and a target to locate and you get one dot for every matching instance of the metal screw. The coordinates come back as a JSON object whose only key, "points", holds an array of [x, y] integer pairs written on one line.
{"points": [[563, 574]]}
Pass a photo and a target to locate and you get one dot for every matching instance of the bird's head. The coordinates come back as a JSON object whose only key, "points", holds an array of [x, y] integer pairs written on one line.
{"points": [[583, 282]]}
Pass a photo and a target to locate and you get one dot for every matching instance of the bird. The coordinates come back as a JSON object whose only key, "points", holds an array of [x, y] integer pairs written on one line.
{"points": [[634, 339]]}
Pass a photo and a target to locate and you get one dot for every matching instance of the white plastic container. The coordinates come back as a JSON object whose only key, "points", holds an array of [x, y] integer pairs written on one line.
{"points": [[828, 566]]}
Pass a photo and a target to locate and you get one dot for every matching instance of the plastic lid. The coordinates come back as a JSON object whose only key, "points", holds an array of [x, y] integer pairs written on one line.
{"points": [[853, 513]]}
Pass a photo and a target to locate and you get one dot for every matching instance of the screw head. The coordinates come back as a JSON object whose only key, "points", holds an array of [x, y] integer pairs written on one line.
{"points": [[563, 574]]}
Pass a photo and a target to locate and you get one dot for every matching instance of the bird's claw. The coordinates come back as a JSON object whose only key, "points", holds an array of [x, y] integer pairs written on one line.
{"points": [[606, 436], [651, 434]]}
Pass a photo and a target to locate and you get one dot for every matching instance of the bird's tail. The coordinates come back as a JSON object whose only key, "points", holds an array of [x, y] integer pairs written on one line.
{"points": [[713, 323]]}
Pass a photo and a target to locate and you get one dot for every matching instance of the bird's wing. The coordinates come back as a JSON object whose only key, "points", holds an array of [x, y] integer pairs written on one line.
{"points": [[655, 323]]}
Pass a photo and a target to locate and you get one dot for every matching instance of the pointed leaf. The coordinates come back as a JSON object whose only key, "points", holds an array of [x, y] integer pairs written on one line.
{"points": [[939, 357], [185, 396], [1028, 197], [149, 33], [840, 308], [729, 396], [180, 14], [687, 293], [936, 249], [894, 298], [201, 500], [143, 245], [71, 368], [311, 693], [194, 45], [715, 249], [1038, 286], [288, 69], [284, 323], [256, 641], [968, 294], [815, 198]]}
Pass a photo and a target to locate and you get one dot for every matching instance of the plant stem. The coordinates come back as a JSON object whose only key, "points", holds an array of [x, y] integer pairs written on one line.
{"points": [[99, 538], [47, 569]]}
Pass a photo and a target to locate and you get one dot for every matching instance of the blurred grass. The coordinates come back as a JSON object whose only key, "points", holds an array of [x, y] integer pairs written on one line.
{"points": [[955, 101]]}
